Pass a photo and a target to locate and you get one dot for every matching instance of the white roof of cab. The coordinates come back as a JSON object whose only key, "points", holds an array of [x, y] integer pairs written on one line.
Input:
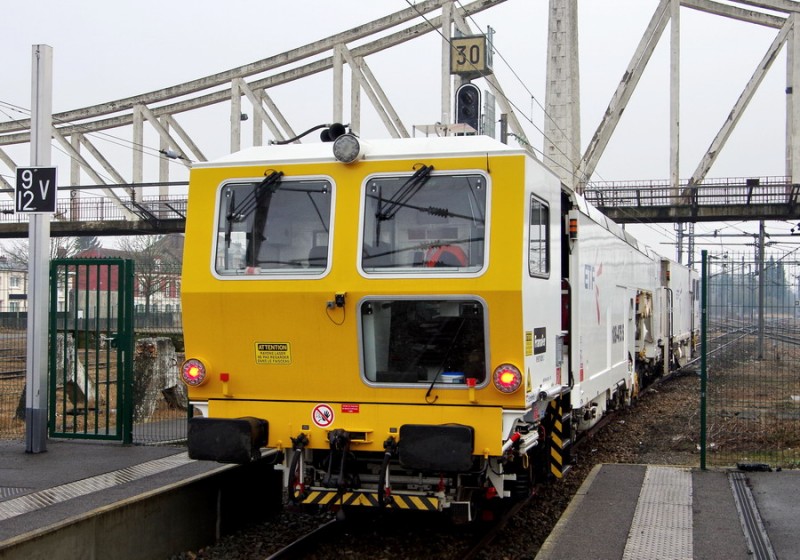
{"points": [[398, 148]]}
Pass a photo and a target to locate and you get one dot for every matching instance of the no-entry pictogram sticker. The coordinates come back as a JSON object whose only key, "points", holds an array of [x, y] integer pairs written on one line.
{"points": [[322, 416]]}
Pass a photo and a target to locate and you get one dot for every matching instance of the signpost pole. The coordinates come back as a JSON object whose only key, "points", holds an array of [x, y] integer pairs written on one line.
{"points": [[38, 257]]}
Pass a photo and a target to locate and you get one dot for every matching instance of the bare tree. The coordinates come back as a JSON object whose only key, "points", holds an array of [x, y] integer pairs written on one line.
{"points": [[156, 263], [60, 248]]}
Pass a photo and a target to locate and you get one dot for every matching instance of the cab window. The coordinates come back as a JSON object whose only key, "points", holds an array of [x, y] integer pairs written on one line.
{"points": [[423, 341], [424, 222], [273, 226], [539, 239]]}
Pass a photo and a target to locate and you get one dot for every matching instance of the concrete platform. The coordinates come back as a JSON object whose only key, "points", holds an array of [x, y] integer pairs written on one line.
{"points": [[649, 512], [100, 500]]}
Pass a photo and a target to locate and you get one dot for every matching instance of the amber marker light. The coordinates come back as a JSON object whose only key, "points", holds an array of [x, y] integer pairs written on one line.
{"points": [[573, 228]]}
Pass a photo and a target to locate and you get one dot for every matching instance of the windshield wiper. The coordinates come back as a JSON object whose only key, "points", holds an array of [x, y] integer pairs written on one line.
{"points": [[411, 187], [444, 362], [241, 211], [229, 204]]}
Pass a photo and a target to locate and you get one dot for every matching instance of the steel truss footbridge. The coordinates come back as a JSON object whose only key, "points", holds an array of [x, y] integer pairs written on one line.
{"points": [[105, 194]]}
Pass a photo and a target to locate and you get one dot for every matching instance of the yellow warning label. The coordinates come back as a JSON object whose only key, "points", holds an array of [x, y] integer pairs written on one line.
{"points": [[528, 343], [273, 353]]}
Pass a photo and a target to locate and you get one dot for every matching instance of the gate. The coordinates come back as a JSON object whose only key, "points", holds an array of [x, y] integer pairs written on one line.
{"points": [[91, 349]]}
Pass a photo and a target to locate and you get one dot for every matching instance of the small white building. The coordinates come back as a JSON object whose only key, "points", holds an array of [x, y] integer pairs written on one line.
{"points": [[13, 285]]}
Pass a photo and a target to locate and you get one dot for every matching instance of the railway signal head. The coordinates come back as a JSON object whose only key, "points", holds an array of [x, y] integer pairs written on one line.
{"points": [[468, 106]]}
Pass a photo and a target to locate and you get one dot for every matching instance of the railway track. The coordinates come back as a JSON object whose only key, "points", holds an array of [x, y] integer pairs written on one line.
{"points": [[659, 429], [335, 533], [470, 540], [304, 545]]}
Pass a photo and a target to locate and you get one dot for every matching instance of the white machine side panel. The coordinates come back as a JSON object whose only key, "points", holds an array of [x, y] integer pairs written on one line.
{"points": [[541, 296], [607, 272], [683, 320]]}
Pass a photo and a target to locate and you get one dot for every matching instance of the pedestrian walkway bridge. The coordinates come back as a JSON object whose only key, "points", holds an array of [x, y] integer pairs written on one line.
{"points": [[713, 200], [767, 198]]}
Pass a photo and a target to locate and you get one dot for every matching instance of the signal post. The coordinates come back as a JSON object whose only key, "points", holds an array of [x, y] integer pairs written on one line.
{"points": [[36, 190]]}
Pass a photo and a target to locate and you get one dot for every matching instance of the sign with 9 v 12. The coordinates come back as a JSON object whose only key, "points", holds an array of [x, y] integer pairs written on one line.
{"points": [[36, 190]]}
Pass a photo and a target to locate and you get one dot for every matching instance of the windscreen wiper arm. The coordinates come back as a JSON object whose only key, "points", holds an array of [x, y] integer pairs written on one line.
{"points": [[444, 362], [405, 193], [269, 185]]}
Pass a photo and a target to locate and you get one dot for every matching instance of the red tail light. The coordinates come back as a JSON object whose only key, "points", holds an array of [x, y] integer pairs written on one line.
{"points": [[193, 372], [507, 378]]}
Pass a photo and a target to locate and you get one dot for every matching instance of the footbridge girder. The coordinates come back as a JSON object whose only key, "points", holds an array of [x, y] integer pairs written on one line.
{"points": [[714, 200]]}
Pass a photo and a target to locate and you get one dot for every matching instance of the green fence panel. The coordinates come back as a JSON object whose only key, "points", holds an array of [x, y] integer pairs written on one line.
{"points": [[753, 386]]}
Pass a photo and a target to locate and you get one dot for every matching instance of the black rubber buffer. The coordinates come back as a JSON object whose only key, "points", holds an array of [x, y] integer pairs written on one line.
{"points": [[445, 448], [227, 440]]}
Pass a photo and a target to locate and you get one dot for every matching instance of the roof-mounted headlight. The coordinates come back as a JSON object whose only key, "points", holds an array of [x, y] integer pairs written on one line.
{"points": [[347, 148]]}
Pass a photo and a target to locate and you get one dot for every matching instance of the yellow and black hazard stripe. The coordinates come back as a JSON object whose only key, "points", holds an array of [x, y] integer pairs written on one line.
{"points": [[324, 497], [412, 501], [560, 431]]}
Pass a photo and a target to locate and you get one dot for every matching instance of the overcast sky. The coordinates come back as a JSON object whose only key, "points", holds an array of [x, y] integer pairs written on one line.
{"points": [[109, 50]]}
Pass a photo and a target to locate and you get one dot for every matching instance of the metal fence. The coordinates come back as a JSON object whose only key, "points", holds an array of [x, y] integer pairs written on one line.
{"points": [[13, 347], [166, 410], [753, 364]]}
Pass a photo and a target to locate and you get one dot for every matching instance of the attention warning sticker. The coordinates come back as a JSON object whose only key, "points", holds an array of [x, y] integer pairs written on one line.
{"points": [[273, 353]]}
